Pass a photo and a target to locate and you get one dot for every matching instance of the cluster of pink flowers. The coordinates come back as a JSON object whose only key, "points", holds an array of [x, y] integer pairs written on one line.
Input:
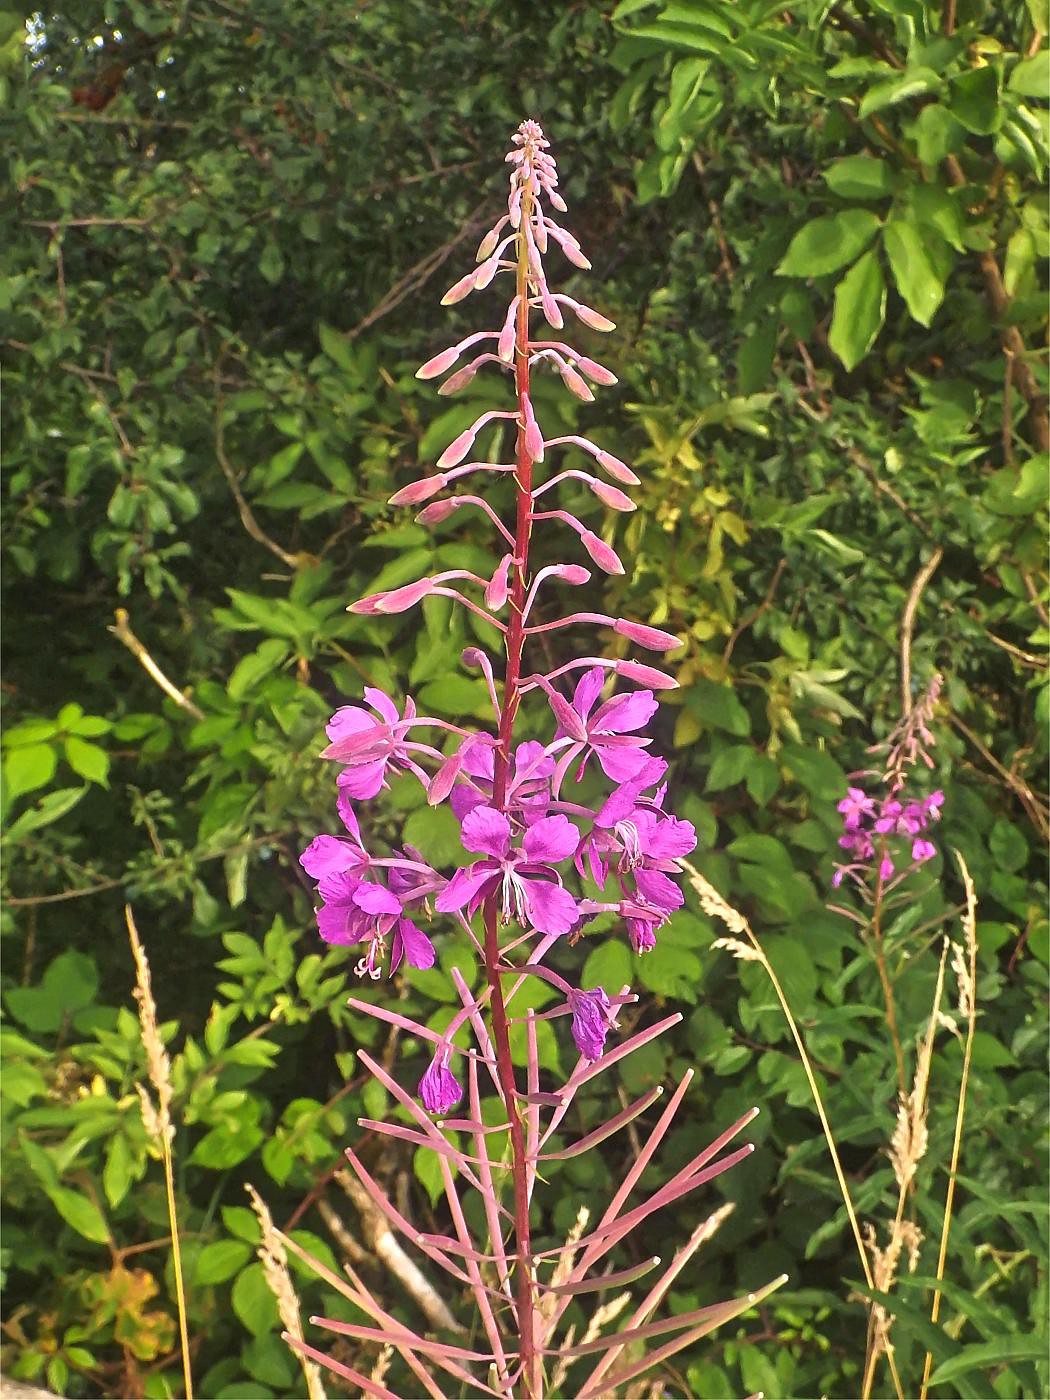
{"points": [[547, 861], [874, 830]]}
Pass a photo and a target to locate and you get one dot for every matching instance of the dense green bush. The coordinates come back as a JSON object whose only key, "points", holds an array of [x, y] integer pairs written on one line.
{"points": [[823, 235]]}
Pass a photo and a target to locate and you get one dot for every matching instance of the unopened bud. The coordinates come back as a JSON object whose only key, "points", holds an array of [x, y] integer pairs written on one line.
{"points": [[400, 599], [460, 289], [593, 370], [457, 449], [620, 470], [648, 676], [651, 638], [439, 364], [417, 491], [459, 380], [437, 511], [603, 555], [575, 383], [611, 496]]}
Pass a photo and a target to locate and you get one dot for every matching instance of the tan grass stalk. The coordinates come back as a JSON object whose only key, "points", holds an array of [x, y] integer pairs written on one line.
{"points": [[966, 973], [907, 1149], [157, 1120], [275, 1266], [712, 903]]}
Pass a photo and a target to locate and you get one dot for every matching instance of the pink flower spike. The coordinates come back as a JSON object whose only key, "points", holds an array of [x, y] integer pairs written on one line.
{"points": [[505, 347], [417, 491], [650, 637], [586, 314], [645, 675], [439, 363]]}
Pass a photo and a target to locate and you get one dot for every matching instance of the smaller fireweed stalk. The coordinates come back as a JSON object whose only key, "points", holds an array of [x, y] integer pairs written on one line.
{"points": [[546, 862]]}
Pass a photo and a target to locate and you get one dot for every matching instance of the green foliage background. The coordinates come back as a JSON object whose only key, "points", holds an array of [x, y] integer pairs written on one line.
{"points": [[822, 232]]}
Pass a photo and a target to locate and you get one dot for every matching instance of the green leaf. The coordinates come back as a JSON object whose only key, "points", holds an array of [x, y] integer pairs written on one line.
{"points": [[975, 100], [226, 1146], [50, 808], [1029, 77], [718, 706], [913, 82], [271, 264], [828, 243], [859, 177], [609, 966], [83, 1215], [917, 279], [860, 309], [219, 1261], [88, 760], [817, 772], [27, 768], [253, 1302], [982, 1356], [250, 670], [937, 134]]}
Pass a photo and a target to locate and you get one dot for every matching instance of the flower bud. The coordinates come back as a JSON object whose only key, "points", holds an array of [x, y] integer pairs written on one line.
{"points": [[484, 274], [533, 436], [497, 591], [593, 370], [457, 449], [459, 380], [648, 676], [603, 555], [650, 637], [505, 346], [620, 470], [401, 599], [367, 606], [588, 315], [437, 511], [610, 495], [460, 289], [575, 574], [417, 491], [575, 383], [439, 364]]}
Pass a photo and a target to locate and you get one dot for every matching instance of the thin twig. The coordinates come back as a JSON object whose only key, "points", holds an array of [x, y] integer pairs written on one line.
{"points": [[1036, 810], [248, 520], [922, 578], [753, 616], [123, 633]]}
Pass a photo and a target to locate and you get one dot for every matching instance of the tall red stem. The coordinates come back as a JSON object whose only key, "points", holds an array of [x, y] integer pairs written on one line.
{"points": [[531, 1378]]}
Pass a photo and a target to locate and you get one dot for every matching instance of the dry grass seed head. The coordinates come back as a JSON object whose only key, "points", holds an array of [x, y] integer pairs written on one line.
{"points": [[274, 1260]]}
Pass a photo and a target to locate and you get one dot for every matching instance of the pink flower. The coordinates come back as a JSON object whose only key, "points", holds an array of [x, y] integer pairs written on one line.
{"points": [[527, 886], [439, 1088], [367, 745], [607, 731], [358, 910], [591, 1021]]}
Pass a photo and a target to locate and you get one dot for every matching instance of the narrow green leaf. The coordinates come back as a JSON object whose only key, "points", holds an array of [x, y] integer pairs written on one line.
{"points": [[891, 91], [985, 1355]]}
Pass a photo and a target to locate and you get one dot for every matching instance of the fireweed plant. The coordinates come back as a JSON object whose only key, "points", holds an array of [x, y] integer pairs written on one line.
{"points": [[886, 834], [546, 863]]}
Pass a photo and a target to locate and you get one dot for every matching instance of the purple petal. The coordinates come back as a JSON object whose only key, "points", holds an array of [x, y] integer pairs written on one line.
{"points": [[376, 899], [618, 763], [464, 885], [348, 817], [349, 720], [590, 1021], [552, 839], [625, 713], [658, 890], [380, 701], [550, 908], [464, 799], [413, 944], [487, 831], [670, 839], [341, 923], [327, 855], [364, 781], [588, 688], [439, 1088]]}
